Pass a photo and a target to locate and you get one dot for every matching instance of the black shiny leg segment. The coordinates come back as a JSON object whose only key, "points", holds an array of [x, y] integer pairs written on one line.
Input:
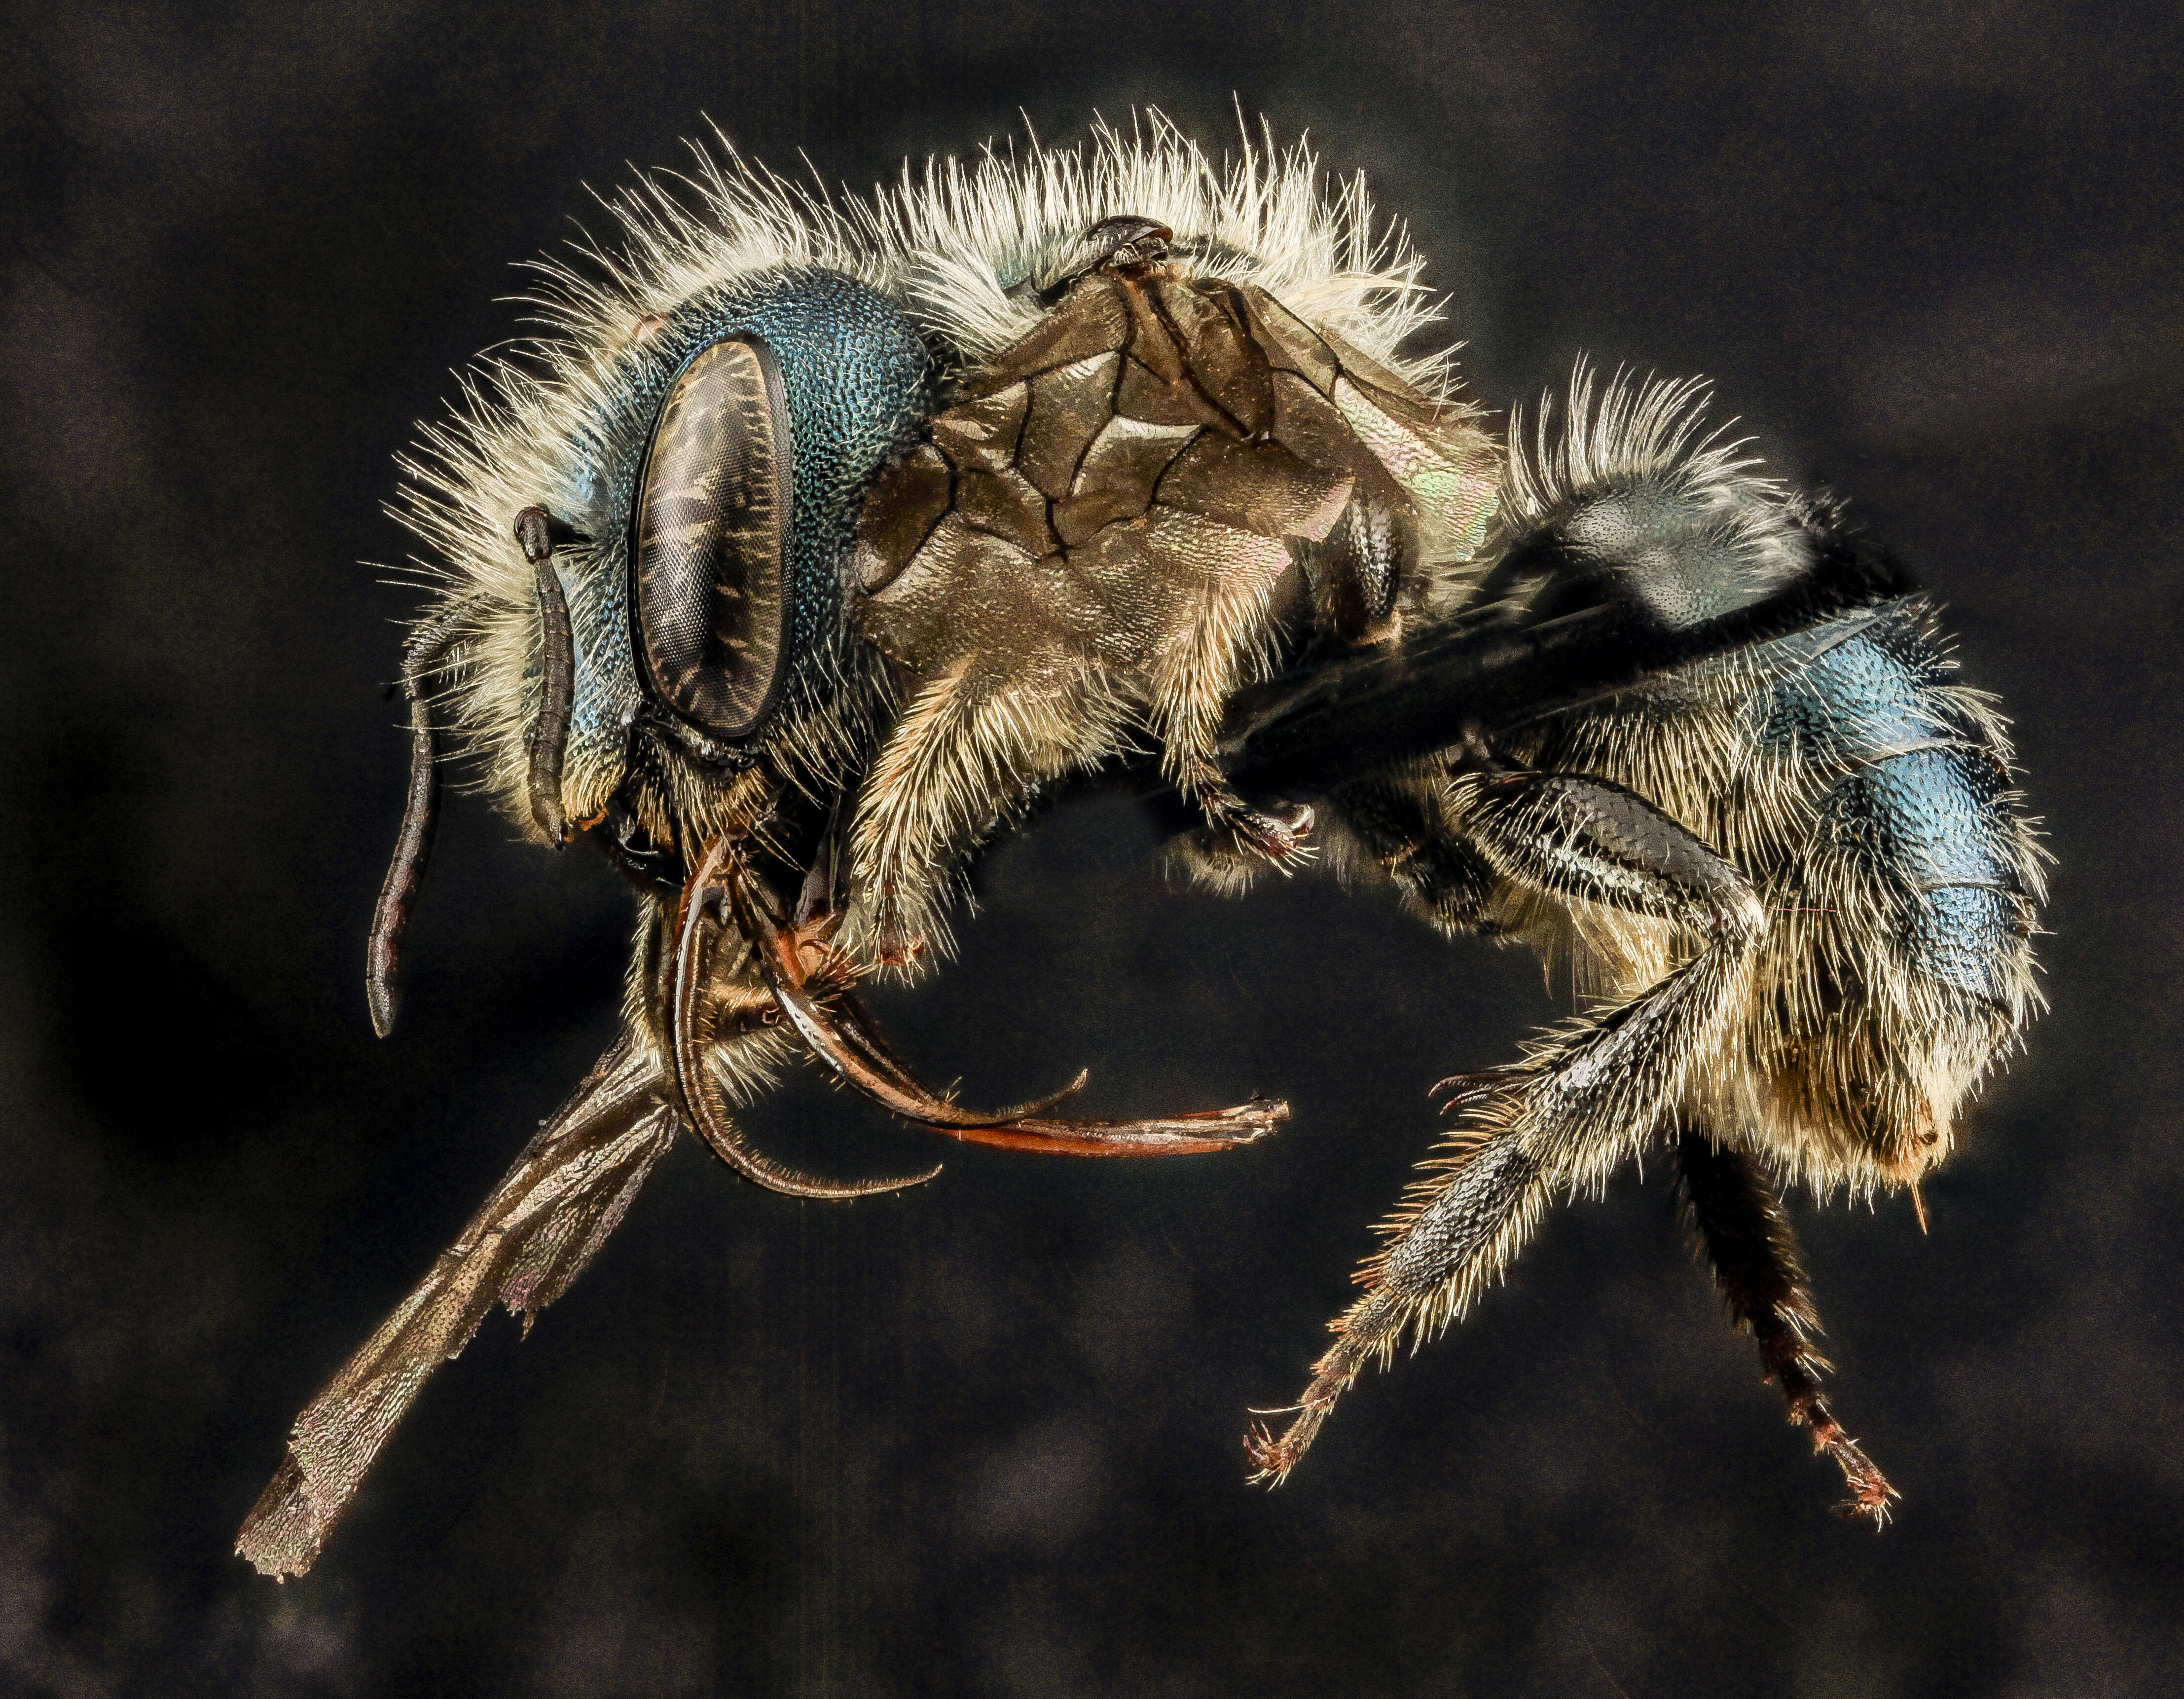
{"points": [[1736, 1215]]}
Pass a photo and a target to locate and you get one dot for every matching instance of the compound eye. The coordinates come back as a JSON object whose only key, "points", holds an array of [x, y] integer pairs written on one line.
{"points": [[709, 542]]}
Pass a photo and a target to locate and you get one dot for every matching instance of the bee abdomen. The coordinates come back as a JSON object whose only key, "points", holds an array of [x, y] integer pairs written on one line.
{"points": [[1922, 804]]}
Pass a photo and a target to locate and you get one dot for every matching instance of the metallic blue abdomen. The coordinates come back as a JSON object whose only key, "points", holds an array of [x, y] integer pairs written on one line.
{"points": [[1923, 798]]}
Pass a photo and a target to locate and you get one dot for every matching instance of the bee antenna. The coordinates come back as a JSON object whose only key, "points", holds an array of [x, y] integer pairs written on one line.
{"points": [[420, 816], [538, 532]]}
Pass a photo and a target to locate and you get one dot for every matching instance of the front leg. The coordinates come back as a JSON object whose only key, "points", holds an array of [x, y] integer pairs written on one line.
{"points": [[968, 752], [1739, 1220], [1584, 1098], [810, 981]]}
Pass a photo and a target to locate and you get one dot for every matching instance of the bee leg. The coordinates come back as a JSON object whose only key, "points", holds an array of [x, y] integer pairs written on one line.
{"points": [[1234, 831], [1192, 683], [972, 746], [963, 757], [1456, 1237], [1582, 1099], [1737, 1217], [1403, 824], [810, 981]]}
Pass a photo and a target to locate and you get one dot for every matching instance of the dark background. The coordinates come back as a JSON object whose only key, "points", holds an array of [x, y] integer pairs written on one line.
{"points": [[982, 1439]]}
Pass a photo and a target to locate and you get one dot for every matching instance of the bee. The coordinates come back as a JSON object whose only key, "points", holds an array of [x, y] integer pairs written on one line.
{"points": [[817, 540]]}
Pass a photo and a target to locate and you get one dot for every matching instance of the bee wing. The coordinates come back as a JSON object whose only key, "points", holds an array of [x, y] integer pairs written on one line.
{"points": [[525, 1245]]}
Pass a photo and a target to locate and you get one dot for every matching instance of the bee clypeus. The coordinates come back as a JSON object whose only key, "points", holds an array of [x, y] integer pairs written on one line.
{"points": [[816, 541]]}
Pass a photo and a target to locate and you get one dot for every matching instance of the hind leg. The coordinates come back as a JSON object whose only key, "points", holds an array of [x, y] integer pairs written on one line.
{"points": [[1737, 1216], [1582, 1101]]}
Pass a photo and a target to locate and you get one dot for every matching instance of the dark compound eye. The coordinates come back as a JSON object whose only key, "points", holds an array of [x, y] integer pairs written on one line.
{"points": [[709, 542]]}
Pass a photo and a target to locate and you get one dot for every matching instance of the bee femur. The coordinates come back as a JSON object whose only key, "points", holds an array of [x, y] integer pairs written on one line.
{"points": [[709, 542]]}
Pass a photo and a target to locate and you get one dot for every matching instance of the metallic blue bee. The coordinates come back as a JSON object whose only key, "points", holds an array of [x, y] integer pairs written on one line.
{"points": [[817, 541]]}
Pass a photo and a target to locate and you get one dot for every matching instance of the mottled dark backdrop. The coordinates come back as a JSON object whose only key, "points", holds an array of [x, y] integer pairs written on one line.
{"points": [[982, 1439]]}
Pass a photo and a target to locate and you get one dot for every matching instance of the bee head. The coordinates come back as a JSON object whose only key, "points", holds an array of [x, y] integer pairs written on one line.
{"points": [[774, 408], [698, 470]]}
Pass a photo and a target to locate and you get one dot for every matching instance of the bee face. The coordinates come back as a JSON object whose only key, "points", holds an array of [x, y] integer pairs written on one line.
{"points": [[701, 466], [726, 461]]}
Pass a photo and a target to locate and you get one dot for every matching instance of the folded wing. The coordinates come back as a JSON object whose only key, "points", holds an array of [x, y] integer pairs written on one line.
{"points": [[541, 1227]]}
